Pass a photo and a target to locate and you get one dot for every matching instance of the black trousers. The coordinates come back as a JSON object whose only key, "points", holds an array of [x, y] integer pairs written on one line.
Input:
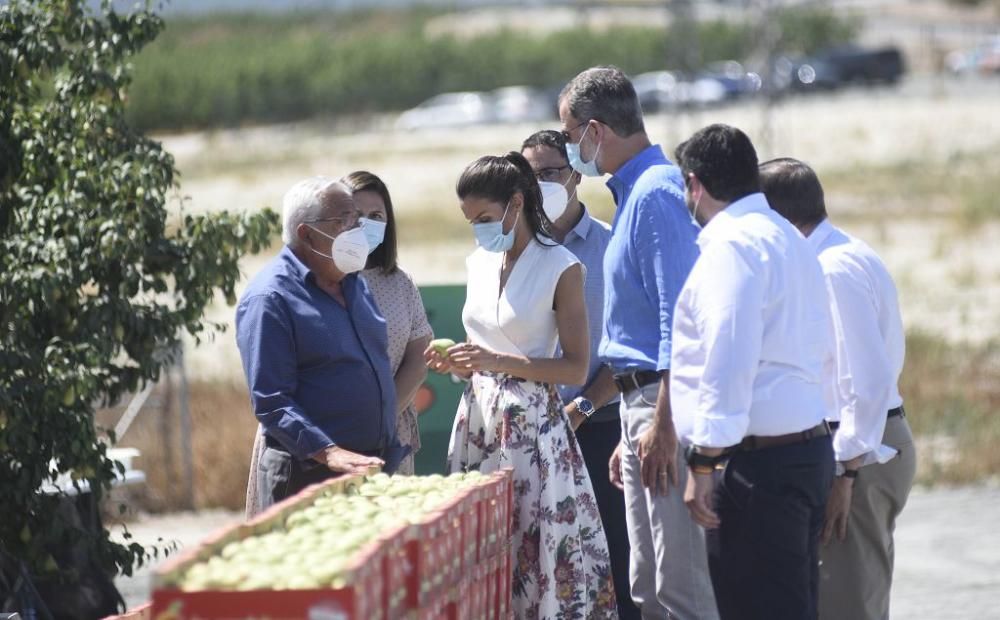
{"points": [[597, 441], [281, 475], [764, 558]]}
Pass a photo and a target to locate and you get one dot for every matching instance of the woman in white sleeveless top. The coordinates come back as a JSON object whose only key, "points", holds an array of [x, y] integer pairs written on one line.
{"points": [[525, 297]]}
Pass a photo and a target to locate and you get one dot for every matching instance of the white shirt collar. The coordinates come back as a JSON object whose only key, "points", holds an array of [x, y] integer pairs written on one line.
{"points": [[819, 234], [754, 203]]}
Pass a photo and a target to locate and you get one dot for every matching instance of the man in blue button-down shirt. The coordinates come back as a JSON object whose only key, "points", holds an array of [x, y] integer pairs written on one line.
{"points": [[314, 350], [593, 407], [651, 251]]}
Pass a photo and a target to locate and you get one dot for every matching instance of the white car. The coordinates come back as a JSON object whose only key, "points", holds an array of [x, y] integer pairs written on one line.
{"points": [[448, 110]]}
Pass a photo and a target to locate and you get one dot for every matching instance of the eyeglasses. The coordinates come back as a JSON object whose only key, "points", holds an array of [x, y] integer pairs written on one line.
{"points": [[551, 174], [565, 133], [342, 221]]}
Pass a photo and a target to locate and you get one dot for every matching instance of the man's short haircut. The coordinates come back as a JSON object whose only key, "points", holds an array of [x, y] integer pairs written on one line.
{"points": [[604, 94], [303, 203], [793, 190], [724, 160], [549, 138]]}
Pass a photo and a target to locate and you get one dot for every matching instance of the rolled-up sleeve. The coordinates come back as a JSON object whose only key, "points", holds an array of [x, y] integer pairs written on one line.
{"points": [[266, 341], [864, 376], [665, 252], [732, 333]]}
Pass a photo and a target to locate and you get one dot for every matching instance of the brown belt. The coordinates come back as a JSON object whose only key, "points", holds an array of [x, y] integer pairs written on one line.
{"points": [[635, 380], [760, 442]]}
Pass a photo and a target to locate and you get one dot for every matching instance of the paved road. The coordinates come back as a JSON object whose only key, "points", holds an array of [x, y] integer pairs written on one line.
{"points": [[948, 555], [947, 562]]}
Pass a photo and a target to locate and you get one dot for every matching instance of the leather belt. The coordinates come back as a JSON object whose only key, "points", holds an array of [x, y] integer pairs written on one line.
{"points": [[635, 380], [898, 412], [760, 442]]}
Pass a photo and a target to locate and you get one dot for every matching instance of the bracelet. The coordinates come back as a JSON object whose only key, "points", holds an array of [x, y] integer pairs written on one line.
{"points": [[702, 469]]}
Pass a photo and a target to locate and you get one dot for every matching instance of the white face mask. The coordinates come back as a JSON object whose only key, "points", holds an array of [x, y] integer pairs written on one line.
{"points": [[349, 251], [554, 199]]}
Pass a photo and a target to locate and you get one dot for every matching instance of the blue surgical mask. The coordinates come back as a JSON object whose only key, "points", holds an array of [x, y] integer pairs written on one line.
{"points": [[374, 232], [586, 168], [491, 237]]}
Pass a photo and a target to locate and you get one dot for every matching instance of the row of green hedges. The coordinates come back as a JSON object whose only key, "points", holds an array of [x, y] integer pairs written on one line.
{"points": [[231, 70]]}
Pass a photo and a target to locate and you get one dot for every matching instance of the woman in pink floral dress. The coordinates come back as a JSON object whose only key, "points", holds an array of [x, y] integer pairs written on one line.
{"points": [[525, 297]]}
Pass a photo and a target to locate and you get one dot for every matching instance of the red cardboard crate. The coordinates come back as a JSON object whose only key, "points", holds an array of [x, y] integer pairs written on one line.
{"points": [[470, 529], [451, 513], [479, 592], [506, 581], [396, 569], [361, 599], [424, 552]]}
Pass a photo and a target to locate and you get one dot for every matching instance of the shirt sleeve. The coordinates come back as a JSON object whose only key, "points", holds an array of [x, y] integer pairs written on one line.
{"points": [[267, 347], [864, 375], [665, 248], [419, 327], [730, 294]]}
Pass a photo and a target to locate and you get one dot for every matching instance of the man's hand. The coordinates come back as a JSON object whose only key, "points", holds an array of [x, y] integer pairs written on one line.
{"points": [[698, 498], [838, 509], [344, 461], [576, 419], [658, 458], [615, 468]]}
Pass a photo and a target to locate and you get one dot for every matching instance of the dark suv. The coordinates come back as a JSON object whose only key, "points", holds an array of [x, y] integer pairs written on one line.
{"points": [[847, 65]]}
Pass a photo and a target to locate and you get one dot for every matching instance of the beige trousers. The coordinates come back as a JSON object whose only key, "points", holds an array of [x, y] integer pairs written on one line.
{"points": [[668, 564], [856, 574]]}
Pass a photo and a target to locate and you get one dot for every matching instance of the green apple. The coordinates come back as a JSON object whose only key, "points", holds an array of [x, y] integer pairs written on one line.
{"points": [[441, 345]]}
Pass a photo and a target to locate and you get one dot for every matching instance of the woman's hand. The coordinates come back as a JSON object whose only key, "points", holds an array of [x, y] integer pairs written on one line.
{"points": [[472, 357], [436, 361]]}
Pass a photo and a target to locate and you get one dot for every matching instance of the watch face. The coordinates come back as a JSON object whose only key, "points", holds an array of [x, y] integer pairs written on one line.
{"points": [[586, 407]]}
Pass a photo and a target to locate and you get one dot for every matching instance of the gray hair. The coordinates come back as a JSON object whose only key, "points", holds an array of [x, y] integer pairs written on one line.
{"points": [[604, 94], [302, 203]]}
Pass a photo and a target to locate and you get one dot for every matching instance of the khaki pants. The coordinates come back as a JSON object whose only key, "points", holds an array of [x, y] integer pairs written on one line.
{"points": [[856, 574], [669, 565]]}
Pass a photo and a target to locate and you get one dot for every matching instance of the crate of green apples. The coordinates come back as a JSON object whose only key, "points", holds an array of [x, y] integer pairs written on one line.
{"points": [[361, 547]]}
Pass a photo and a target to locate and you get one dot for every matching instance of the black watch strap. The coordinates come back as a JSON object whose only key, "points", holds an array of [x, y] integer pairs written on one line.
{"points": [[696, 459]]}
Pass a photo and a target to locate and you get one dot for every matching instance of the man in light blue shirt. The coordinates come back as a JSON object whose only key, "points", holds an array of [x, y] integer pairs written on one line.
{"points": [[650, 253], [592, 407]]}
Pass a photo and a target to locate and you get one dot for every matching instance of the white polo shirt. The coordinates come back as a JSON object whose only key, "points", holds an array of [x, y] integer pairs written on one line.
{"points": [[870, 343], [752, 331]]}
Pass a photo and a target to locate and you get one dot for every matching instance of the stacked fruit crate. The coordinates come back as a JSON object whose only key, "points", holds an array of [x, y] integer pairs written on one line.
{"points": [[361, 547]]}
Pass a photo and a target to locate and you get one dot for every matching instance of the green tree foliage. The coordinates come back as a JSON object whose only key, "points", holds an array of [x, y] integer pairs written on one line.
{"points": [[95, 286], [231, 70]]}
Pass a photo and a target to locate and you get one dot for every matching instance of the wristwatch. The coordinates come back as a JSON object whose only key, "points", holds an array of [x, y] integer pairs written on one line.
{"points": [[701, 463], [584, 406], [842, 472]]}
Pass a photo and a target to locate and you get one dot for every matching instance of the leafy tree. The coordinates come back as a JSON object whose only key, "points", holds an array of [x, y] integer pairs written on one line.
{"points": [[97, 282]]}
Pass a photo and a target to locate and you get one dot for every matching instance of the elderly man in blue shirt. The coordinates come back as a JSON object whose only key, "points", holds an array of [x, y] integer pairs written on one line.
{"points": [[314, 349], [651, 251]]}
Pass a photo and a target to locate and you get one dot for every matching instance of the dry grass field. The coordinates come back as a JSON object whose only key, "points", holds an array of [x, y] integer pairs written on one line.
{"points": [[911, 170]]}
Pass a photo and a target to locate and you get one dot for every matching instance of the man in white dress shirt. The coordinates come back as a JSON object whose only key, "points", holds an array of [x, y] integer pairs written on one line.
{"points": [[873, 445], [750, 344]]}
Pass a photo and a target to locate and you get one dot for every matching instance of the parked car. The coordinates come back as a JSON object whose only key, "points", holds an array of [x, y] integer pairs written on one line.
{"points": [[983, 58], [522, 104], [734, 78], [845, 65], [657, 90], [449, 110]]}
